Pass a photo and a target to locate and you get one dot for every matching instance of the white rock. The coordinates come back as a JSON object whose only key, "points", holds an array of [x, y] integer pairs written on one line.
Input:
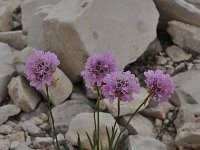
{"points": [[15, 39], [28, 7], [7, 111], [75, 23], [84, 122], [11, 3], [64, 113], [23, 147], [32, 128], [138, 142], [37, 121], [158, 111], [138, 125], [185, 35], [6, 21], [183, 10], [42, 142], [14, 145], [5, 129], [22, 94], [60, 90], [35, 34], [177, 54], [125, 107], [4, 144], [18, 136], [184, 116], [188, 135]]}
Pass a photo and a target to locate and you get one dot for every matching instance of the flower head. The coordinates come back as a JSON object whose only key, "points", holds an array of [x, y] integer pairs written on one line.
{"points": [[160, 84], [96, 68], [39, 68], [121, 85]]}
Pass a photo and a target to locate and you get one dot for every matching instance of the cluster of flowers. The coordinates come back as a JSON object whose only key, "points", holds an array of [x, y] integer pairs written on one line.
{"points": [[101, 70]]}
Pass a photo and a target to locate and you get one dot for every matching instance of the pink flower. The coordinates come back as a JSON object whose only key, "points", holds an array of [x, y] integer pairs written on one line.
{"points": [[39, 68], [160, 84], [96, 68], [121, 85]]}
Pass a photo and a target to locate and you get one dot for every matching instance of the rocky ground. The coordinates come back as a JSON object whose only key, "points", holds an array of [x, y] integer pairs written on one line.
{"points": [[78, 28]]}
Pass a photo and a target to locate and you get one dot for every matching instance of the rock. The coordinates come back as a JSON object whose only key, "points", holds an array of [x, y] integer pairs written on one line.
{"points": [[125, 107], [158, 111], [6, 21], [187, 85], [180, 67], [155, 46], [42, 142], [4, 81], [28, 7], [45, 126], [20, 57], [11, 123], [158, 124], [183, 10], [15, 39], [35, 34], [160, 60], [32, 128], [22, 147], [60, 90], [194, 108], [91, 94], [169, 141], [6, 59], [4, 144], [138, 142], [5, 129], [84, 122], [138, 125], [18, 136], [44, 117], [7, 111], [177, 54], [81, 30], [22, 94], [37, 121], [188, 135], [184, 116], [14, 145], [64, 113], [11, 3], [185, 35]]}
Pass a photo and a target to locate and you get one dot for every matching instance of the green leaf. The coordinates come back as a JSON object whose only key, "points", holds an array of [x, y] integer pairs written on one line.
{"points": [[108, 135], [64, 144], [79, 142], [91, 145]]}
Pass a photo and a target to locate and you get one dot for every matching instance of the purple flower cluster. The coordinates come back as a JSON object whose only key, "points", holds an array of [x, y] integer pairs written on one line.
{"points": [[160, 84], [121, 85], [40, 67], [97, 67]]}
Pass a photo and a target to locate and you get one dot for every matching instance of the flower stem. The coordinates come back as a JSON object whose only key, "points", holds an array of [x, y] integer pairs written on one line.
{"points": [[52, 120], [143, 103], [98, 100]]}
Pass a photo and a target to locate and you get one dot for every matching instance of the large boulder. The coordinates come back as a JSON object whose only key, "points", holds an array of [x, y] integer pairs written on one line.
{"points": [[76, 29], [187, 11], [28, 8]]}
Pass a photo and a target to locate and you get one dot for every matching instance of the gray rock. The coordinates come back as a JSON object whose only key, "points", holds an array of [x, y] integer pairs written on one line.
{"points": [[17, 136], [75, 22], [23, 147], [60, 90], [185, 35], [14, 145], [4, 81], [4, 144], [64, 113], [84, 122], [35, 34], [22, 94], [6, 21], [5, 129], [168, 140], [188, 135], [138, 142], [7, 111], [177, 54], [183, 10], [138, 125], [15, 39], [11, 3], [28, 8], [42, 142], [160, 60], [32, 128], [184, 116]]}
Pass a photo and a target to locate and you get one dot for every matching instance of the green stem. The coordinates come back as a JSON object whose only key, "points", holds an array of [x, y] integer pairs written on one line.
{"points": [[52, 119], [143, 103], [98, 100]]}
